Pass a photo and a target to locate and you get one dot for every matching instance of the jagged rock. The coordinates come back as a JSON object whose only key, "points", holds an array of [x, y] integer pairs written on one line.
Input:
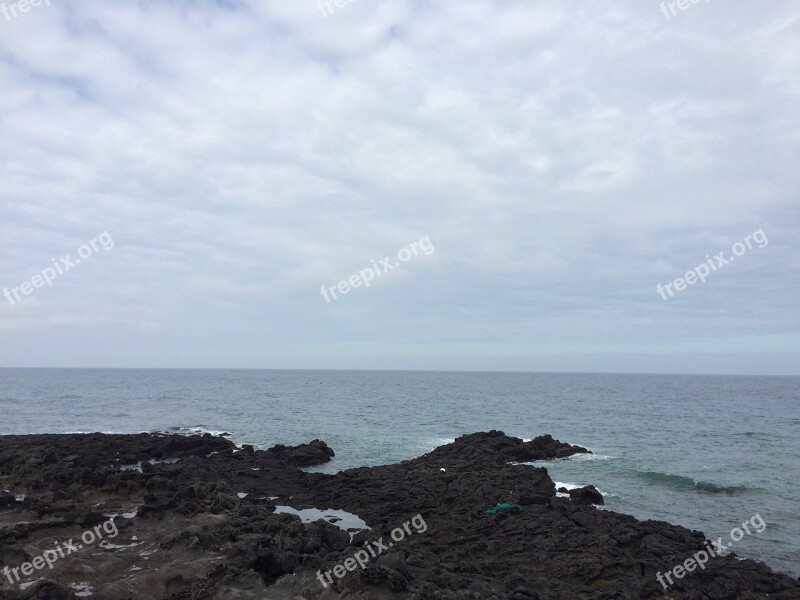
{"points": [[7, 500], [496, 445], [207, 524], [586, 495], [315, 452]]}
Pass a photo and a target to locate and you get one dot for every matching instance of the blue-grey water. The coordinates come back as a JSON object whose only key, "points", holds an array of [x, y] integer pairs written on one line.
{"points": [[707, 452]]}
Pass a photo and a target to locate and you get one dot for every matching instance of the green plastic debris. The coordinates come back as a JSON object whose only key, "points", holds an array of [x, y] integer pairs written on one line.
{"points": [[502, 506]]}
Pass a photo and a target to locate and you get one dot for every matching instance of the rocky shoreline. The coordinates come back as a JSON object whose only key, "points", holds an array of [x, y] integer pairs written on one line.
{"points": [[198, 517]]}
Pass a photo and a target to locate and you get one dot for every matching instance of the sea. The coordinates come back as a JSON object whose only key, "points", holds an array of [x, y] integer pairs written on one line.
{"points": [[706, 452]]}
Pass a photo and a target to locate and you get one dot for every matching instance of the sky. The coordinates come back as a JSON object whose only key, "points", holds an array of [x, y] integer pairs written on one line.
{"points": [[229, 177]]}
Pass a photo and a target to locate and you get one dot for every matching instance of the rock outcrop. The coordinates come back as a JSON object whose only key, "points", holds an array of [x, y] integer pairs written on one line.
{"points": [[213, 524]]}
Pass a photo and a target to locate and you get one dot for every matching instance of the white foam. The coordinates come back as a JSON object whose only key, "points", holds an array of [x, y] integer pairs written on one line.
{"points": [[574, 458], [434, 443], [103, 432], [587, 457], [241, 495], [568, 486], [197, 430], [573, 486]]}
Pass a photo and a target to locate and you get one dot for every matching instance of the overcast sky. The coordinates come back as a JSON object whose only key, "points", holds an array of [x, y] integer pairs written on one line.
{"points": [[563, 159]]}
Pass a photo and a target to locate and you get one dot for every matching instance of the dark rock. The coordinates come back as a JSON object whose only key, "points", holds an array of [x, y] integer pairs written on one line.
{"points": [[586, 495], [92, 518], [315, 452], [212, 543], [544, 447], [496, 445], [7, 500]]}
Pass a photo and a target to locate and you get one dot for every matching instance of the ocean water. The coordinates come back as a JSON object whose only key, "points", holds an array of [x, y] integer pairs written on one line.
{"points": [[706, 452]]}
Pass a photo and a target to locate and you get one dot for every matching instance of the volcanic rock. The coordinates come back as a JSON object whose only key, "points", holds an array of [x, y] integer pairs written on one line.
{"points": [[206, 527], [586, 495], [315, 452]]}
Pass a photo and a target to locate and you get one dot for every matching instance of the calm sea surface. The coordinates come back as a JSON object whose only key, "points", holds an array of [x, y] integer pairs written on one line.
{"points": [[706, 452]]}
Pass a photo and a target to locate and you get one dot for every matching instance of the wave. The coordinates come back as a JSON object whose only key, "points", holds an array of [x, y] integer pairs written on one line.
{"points": [[568, 486], [587, 457], [198, 429], [433, 443], [682, 482], [760, 435], [574, 486], [571, 458], [91, 431]]}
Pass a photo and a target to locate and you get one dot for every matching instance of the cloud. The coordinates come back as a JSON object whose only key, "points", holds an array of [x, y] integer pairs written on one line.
{"points": [[563, 159]]}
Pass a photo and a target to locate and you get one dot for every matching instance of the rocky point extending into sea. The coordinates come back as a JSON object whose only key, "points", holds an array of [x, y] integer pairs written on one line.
{"points": [[199, 517]]}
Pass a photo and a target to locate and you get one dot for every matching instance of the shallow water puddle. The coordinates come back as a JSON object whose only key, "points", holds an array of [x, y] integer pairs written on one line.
{"points": [[153, 461], [344, 520], [83, 589]]}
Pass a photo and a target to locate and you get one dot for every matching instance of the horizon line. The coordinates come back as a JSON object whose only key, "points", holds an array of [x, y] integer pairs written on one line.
{"points": [[363, 370]]}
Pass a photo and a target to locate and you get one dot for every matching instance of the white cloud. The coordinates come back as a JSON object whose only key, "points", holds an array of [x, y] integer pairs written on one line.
{"points": [[564, 159]]}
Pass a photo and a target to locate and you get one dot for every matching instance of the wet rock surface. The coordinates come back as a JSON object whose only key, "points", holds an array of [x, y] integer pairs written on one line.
{"points": [[586, 495], [205, 526]]}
